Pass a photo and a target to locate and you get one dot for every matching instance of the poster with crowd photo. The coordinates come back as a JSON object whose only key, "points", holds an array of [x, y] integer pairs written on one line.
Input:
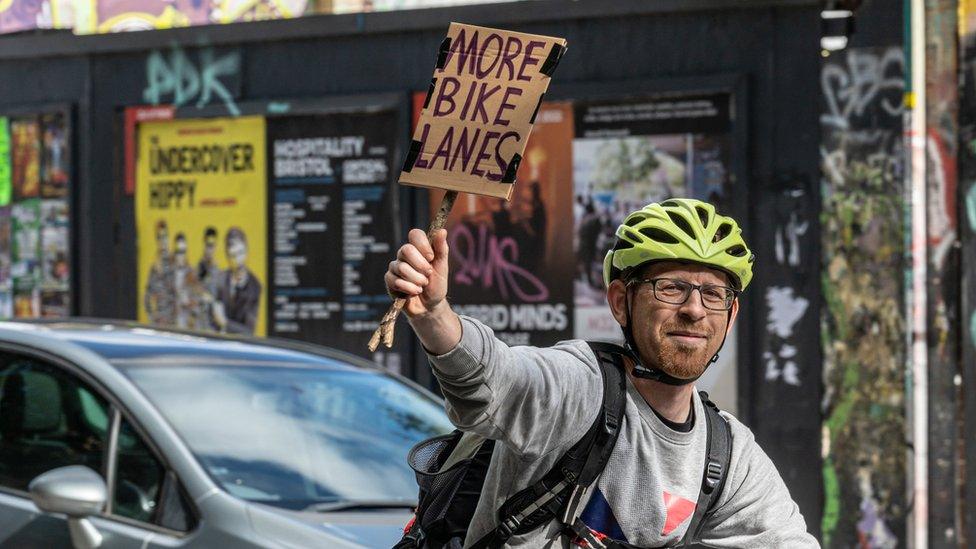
{"points": [[333, 223], [627, 154], [25, 154], [25, 269], [201, 224], [510, 261]]}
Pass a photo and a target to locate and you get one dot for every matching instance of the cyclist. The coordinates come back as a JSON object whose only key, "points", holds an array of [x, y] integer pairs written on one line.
{"points": [[673, 280]]}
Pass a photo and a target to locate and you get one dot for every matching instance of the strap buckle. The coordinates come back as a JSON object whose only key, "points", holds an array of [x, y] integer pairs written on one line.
{"points": [[508, 527], [713, 475]]}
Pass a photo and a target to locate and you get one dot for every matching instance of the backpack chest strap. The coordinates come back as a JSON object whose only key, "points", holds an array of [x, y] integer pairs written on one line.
{"points": [[561, 489]]}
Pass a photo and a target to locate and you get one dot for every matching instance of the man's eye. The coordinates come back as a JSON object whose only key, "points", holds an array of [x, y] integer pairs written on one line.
{"points": [[714, 294], [670, 287]]}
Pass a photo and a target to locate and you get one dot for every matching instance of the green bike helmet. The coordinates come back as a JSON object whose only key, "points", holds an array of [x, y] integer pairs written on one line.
{"points": [[680, 229]]}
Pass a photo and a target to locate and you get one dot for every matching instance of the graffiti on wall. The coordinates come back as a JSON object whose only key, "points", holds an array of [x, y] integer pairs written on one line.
{"points": [[172, 77], [864, 329], [785, 305]]}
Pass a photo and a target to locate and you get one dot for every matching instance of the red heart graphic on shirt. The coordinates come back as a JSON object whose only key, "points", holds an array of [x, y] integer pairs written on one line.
{"points": [[679, 509]]}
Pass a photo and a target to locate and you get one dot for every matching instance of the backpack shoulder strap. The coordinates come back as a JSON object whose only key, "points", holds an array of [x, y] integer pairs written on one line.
{"points": [[719, 455], [559, 491]]}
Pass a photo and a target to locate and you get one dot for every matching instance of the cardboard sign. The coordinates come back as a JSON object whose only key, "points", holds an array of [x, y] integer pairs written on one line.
{"points": [[479, 109]]}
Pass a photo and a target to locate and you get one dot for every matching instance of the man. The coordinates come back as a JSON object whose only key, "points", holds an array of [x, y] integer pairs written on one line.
{"points": [[207, 269], [208, 276], [159, 298], [673, 280], [239, 291]]}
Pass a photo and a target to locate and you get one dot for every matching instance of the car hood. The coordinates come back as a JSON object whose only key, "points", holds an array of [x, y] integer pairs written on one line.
{"points": [[379, 528]]}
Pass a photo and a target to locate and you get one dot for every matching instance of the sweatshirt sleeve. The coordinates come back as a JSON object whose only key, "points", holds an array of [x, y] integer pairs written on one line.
{"points": [[755, 509], [531, 399]]}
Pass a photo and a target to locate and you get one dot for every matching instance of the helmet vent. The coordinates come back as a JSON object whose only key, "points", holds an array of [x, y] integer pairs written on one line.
{"points": [[702, 215], [670, 204], [658, 235], [681, 223], [634, 219], [723, 231], [738, 250], [622, 244]]}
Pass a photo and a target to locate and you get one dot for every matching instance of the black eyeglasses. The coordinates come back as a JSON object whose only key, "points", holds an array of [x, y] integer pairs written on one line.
{"points": [[677, 292]]}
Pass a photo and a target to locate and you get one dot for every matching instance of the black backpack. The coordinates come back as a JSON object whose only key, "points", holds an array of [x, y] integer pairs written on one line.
{"points": [[451, 471]]}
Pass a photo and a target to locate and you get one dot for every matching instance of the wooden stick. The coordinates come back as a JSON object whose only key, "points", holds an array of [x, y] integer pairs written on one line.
{"points": [[388, 323]]}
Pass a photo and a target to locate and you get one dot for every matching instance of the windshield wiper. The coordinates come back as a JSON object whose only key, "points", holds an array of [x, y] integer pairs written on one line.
{"points": [[361, 504]]}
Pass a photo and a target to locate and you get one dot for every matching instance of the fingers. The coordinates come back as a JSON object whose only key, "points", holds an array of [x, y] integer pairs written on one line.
{"points": [[440, 243], [407, 272], [419, 239], [397, 285], [410, 256]]}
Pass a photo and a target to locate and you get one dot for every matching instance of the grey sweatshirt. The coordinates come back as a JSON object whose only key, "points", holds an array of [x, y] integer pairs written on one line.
{"points": [[538, 402]]}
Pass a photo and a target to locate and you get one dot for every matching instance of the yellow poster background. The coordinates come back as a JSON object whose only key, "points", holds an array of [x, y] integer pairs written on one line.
{"points": [[192, 175]]}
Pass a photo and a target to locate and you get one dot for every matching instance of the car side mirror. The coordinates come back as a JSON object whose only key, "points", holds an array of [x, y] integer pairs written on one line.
{"points": [[76, 491]]}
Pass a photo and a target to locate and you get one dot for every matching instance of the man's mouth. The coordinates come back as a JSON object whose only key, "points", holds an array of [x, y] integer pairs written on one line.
{"points": [[689, 338]]}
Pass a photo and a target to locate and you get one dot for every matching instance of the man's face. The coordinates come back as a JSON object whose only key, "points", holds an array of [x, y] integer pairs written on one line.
{"points": [[209, 246], [162, 241], [677, 339], [236, 253], [179, 252]]}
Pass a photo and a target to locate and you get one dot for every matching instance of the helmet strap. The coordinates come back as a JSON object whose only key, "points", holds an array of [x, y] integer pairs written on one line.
{"points": [[642, 371]]}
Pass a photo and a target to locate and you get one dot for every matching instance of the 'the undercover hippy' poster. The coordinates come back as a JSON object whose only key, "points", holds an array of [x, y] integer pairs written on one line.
{"points": [[332, 223], [201, 222]]}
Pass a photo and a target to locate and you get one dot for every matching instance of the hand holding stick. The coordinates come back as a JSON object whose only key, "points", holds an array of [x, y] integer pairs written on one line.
{"points": [[388, 323]]}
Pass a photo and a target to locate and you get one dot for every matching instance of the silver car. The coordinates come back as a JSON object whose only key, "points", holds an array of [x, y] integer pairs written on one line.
{"points": [[121, 436]]}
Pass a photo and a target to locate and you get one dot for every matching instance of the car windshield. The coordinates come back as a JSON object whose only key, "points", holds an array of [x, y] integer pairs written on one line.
{"points": [[296, 437]]}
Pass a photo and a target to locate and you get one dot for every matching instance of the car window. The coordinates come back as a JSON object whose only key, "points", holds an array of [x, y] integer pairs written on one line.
{"points": [[144, 490], [326, 435], [48, 419], [138, 478]]}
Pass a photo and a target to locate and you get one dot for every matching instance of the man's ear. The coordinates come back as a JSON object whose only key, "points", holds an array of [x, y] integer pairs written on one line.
{"points": [[617, 299], [733, 314]]}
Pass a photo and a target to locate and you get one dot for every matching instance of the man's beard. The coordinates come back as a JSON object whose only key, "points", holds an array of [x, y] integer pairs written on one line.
{"points": [[679, 360]]}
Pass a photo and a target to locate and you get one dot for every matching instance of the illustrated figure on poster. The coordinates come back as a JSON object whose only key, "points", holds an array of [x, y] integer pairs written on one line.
{"points": [[208, 276], [208, 273], [159, 299], [239, 292], [190, 300]]}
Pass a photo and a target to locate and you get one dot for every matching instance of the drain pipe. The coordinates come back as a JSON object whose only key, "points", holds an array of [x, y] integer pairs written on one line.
{"points": [[917, 388]]}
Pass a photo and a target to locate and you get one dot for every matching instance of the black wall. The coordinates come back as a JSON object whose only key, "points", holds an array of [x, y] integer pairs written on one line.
{"points": [[768, 53]]}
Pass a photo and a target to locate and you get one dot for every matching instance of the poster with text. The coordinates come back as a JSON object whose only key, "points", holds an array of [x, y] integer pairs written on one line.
{"points": [[510, 262], [333, 227], [201, 221], [25, 154], [627, 154]]}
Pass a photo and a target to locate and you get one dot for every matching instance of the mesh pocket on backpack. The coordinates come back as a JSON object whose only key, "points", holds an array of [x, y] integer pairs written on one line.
{"points": [[449, 495], [427, 457]]}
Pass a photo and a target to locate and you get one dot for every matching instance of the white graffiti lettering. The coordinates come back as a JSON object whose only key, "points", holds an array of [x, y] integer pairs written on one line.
{"points": [[868, 77]]}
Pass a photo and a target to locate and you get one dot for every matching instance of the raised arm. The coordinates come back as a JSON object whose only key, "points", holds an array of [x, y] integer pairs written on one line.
{"points": [[533, 400]]}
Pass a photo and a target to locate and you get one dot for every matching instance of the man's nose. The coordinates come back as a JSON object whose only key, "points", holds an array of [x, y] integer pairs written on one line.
{"points": [[694, 306]]}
